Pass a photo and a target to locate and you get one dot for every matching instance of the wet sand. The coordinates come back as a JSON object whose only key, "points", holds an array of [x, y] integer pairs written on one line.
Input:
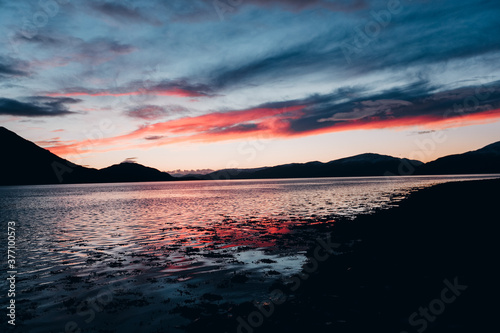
{"points": [[425, 266]]}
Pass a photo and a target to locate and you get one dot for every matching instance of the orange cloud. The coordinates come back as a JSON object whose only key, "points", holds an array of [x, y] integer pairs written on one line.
{"points": [[200, 128], [266, 122], [429, 122]]}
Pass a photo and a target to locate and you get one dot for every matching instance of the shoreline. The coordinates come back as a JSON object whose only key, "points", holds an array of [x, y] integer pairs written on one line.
{"points": [[394, 277], [465, 175]]}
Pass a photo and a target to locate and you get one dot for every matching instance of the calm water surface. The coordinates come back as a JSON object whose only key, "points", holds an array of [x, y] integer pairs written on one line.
{"points": [[115, 257]]}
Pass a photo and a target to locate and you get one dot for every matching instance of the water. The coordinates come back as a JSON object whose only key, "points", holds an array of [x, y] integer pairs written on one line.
{"points": [[115, 257]]}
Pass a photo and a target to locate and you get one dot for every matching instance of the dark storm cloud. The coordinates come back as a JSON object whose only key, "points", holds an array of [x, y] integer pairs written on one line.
{"points": [[36, 106]]}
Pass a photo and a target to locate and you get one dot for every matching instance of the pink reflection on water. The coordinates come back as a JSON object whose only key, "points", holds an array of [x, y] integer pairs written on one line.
{"points": [[194, 245], [183, 247]]}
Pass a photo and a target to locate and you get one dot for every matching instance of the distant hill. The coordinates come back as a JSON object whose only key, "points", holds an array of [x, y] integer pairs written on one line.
{"points": [[484, 160], [132, 172], [25, 163], [355, 166]]}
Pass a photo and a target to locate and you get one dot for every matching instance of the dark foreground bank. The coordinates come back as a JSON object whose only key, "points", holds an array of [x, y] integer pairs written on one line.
{"points": [[426, 266]]}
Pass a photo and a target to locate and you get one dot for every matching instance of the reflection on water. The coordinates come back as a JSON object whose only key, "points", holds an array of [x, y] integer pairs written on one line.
{"points": [[170, 244]]}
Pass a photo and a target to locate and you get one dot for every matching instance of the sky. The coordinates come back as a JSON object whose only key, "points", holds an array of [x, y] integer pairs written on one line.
{"points": [[206, 84]]}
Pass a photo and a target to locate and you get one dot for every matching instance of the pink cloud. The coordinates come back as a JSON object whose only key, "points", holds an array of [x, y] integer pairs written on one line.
{"points": [[268, 122]]}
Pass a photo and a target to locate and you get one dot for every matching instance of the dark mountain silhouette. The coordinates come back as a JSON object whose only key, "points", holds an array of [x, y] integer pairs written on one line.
{"points": [[359, 165], [25, 163], [132, 172], [484, 160]]}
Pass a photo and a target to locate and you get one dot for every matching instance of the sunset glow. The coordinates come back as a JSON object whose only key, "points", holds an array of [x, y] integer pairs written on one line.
{"points": [[192, 87]]}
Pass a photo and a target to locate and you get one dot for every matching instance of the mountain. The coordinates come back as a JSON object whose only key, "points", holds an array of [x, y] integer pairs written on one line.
{"points": [[132, 172], [484, 160], [355, 166], [25, 163]]}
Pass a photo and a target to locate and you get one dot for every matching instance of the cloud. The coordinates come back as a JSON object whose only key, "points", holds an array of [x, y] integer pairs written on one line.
{"points": [[51, 142], [10, 67], [425, 132], [175, 88], [92, 52], [180, 172], [37, 106], [39, 38], [418, 105], [147, 112], [369, 108], [99, 47], [154, 137], [130, 160], [217, 124], [338, 5], [410, 39], [293, 5], [7, 69], [153, 112], [123, 13], [261, 69]]}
